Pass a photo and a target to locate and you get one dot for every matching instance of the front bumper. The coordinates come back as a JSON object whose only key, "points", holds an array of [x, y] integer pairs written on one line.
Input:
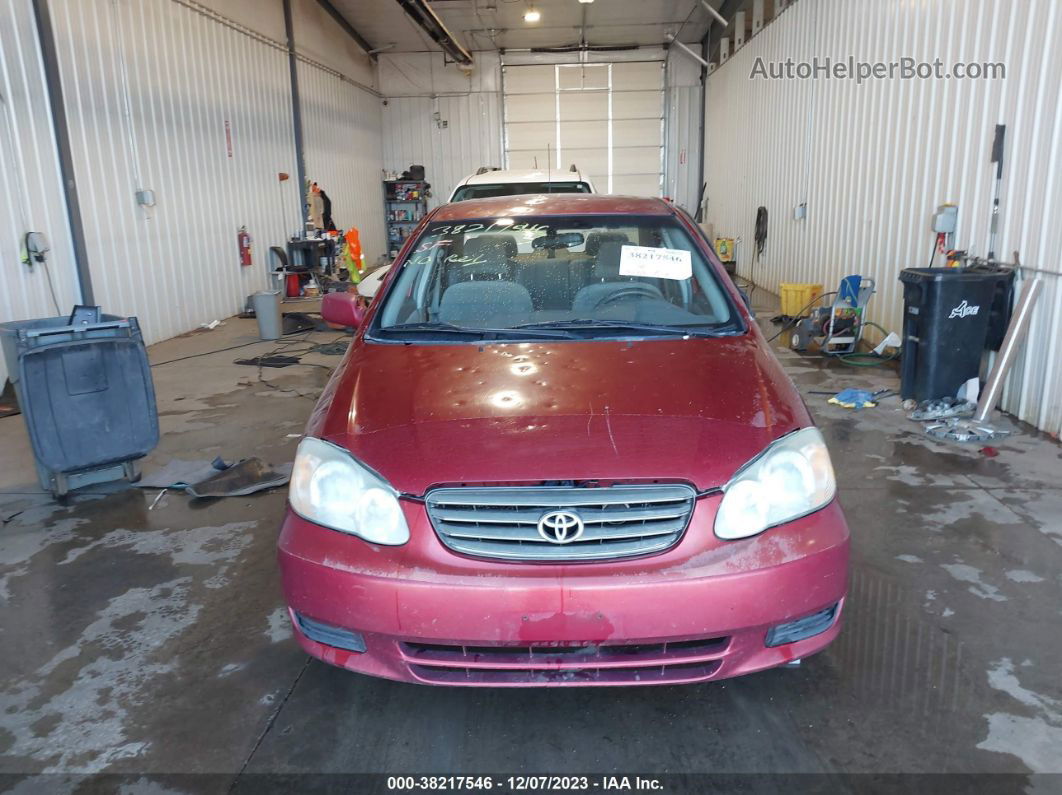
{"points": [[699, 612]]}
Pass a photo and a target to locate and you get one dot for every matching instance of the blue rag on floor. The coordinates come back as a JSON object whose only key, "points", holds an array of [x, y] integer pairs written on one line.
{"points": [[854, 399]]}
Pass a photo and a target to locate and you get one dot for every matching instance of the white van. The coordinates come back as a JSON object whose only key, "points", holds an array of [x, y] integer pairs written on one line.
{"points": [[488, 182]]}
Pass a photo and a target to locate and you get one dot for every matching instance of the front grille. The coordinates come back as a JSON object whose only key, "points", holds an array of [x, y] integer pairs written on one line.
{"points": [[645, 663], [618, 521]]}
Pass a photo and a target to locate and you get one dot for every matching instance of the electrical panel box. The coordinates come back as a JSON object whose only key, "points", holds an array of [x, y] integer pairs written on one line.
{"points": [[945, 219], [36, 247]]}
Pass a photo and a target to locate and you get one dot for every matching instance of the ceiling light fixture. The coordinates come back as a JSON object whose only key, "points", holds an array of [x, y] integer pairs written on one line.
{"points": [[532, 14], [586, 2]]}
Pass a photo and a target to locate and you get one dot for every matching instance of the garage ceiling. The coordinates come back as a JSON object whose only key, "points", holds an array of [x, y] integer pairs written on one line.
{"points": [[491, 24]]}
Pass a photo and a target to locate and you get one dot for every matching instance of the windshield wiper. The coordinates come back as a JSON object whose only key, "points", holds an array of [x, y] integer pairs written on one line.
{"points": [[633, 325], [438, 326]]}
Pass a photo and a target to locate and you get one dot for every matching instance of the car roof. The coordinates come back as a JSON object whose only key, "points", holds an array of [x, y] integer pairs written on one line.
{"points": [[519, 175], [530, 204]]}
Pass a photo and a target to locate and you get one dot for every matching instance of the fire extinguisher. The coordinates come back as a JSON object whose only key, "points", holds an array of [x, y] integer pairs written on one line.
{"points": [[243, 240]]}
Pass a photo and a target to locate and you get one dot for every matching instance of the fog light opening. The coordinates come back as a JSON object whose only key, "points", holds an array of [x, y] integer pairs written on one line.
{"points": [[802, 628], [326, 634]]}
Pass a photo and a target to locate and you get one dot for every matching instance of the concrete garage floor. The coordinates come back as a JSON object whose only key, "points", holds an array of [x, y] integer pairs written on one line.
{"points": [[153, 641]]}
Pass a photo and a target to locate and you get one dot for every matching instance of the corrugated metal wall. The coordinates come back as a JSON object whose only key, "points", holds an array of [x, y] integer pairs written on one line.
{"points": [[874, 160], [207, 126], [470, 139], [465, 135], [167, 95], [343, 139], [682, 146], [31, 189]]}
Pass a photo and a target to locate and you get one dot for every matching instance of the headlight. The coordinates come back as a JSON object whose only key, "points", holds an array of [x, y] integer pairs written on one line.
{"points": [[790, 479], [330, 488]]}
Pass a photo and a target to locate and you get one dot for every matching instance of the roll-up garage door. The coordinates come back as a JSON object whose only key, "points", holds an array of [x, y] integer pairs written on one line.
{"points": [[607, 119]]}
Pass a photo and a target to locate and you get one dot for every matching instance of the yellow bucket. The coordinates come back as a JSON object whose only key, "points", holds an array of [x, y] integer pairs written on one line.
{"points": [[798, 298]]}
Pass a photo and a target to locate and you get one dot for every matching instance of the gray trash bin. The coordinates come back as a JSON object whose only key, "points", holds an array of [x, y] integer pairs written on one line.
{"points": [[267, 311], [84, 386]]}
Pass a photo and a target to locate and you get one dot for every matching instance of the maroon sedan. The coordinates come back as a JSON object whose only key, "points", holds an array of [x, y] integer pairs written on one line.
{"points": [[560, 452]]}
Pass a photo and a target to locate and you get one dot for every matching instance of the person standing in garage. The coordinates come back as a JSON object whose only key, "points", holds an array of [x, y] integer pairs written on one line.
{"points": [[320, 208], [326, 212]]}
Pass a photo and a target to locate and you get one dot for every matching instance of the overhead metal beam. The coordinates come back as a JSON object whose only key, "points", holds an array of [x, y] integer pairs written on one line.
{"points": [[727, 9], [46, 35], [711, 10], [675, 42], [348, 28], [739, 30], [421, 13], [758, 16]]}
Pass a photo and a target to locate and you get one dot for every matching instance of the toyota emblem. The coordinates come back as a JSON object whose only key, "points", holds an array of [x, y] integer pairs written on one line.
{"points": [[560, 527]]}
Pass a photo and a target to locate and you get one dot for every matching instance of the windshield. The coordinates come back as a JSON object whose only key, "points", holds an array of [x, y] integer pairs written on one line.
{"points": [[517, 189], [578, 277]]}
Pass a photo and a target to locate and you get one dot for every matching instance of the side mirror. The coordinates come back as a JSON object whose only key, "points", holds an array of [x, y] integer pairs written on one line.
{"points": [[745, 298], [343, 309]]}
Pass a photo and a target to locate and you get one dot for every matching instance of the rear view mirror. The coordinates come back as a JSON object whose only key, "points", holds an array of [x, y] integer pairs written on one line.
{"points": [[343, 309], [565, 240]]}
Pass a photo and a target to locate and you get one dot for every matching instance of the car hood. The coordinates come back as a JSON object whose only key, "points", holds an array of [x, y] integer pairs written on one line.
{"points": [[693, 410]]}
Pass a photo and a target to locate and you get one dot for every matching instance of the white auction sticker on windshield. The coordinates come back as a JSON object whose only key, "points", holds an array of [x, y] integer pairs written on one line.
{"points": [[657, 263]]}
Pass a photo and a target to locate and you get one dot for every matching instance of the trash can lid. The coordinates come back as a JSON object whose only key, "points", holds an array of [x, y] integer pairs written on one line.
{"points": [[914, 275]]}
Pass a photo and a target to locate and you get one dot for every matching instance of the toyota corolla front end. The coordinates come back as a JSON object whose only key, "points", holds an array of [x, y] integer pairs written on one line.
{"points": [[578, 466]]}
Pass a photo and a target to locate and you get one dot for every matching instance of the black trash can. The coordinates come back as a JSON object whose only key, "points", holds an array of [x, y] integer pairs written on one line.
{"points": [[947, 312], [1002, 305], [85, 389]]}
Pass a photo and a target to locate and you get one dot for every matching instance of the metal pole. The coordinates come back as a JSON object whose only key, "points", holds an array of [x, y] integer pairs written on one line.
{"points": [[714, 13], [687, 50], [62, 143], [1016, 331], [699, 214], [997, 158], [501, 98], [296, 111], [668, 188]]}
